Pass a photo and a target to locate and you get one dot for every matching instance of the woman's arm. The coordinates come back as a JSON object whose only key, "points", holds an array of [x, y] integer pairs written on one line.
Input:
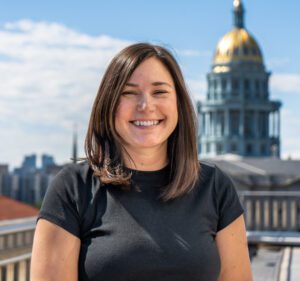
{"points": [[55, 253], [233, 250]]}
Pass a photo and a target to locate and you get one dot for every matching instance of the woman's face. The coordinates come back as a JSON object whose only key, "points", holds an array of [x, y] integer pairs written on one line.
{"points": [[147, 111]]}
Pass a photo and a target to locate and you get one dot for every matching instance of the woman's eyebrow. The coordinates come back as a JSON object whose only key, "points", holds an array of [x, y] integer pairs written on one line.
{"points": [[157, 83], [131, 84]]}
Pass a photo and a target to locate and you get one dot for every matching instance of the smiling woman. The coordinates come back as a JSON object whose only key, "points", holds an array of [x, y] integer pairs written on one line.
{"points": [[142, 207], [144, 84]]}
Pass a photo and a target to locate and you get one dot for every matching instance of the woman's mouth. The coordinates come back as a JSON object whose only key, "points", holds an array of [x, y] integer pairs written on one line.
{"points": [[145, 123]]}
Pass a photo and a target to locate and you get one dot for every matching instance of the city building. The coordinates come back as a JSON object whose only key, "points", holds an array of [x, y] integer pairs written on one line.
{"points": [[47, 160], [238, 116], [28, 183], [29, 163], [4, 180]]}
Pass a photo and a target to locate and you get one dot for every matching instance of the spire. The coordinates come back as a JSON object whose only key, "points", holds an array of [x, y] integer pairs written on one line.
{"points": [[238, 11], [74, 156]]}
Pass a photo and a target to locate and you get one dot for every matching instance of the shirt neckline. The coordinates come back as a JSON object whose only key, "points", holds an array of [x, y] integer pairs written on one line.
{"points": [[150, 178]]}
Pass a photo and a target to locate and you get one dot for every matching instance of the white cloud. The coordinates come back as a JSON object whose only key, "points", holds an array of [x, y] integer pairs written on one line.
{"points": [[286, 83], [197, 88], [278, 62], [194, 53], [49, 77]]}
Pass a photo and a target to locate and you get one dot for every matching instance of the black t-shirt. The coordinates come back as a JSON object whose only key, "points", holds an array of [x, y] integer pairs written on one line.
{"points": [[134, 236]]}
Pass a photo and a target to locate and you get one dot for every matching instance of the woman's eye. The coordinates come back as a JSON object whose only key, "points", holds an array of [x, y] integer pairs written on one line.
{"points": [[128, 93], [160, 92]]}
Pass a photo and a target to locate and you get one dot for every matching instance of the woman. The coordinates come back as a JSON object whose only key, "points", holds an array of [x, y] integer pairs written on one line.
{"points": [[141, 207]]}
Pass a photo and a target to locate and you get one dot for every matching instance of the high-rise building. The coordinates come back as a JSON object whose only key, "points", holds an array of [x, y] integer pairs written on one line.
{"points": [[47, 160], [238, 116], [29, 163], [4, 179]]}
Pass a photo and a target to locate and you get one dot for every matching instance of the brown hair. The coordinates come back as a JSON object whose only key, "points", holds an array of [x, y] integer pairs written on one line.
{"points": [[103, 145]]}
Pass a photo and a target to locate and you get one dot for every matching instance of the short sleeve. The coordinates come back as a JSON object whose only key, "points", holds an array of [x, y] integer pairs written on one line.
{"points": [[60, 204], [228, 203]]}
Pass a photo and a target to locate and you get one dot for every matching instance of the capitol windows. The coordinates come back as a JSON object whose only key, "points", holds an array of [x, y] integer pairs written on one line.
{"points": [[219, 148], [208, 147], [263, 124], [234, 116], [254, 51], [215, 85], [246, 51], [219, 123], [235, 86], [265, 87], [257, 89], [233, 148], [247, 88], [249, 149], [224, 87], [209, 84], [249, 132], [215, 88], [224, 84], [263, 149]]}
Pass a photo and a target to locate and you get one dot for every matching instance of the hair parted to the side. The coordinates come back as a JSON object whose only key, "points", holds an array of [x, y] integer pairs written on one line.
{"points": [[103, 146]]}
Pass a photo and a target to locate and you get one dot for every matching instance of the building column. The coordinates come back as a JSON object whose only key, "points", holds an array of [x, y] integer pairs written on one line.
{"points": [[255, 123], [271, 124], [206, 123], [210, 124], [222, 123], [226, 124], [214, 123], [242, 120], [274, 124], [202, 124]]}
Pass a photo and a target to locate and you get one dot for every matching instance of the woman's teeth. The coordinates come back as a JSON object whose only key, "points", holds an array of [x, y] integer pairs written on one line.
{"points": [[146, 123]]}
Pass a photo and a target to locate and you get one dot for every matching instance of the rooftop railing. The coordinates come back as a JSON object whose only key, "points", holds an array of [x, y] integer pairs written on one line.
{"points": [[16, 239], [272, 217]]}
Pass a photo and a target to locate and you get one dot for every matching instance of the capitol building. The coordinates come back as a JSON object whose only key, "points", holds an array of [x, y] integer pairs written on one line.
{"points": [[238, 116]]}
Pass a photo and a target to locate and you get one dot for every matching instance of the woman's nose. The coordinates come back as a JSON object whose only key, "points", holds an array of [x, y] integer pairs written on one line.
{"points": [[145, 103]]}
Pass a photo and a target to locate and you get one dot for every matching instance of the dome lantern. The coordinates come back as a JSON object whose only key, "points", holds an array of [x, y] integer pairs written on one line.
{"points": [[238, 13]]}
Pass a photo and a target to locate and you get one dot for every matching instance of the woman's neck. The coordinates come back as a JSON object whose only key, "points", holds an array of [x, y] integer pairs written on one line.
{"points": [[146, 159]]}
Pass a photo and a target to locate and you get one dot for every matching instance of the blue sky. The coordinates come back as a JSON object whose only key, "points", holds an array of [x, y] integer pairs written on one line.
{"points": [[53, 54]]}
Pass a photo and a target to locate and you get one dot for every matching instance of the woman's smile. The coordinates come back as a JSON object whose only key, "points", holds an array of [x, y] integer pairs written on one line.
{"points": [[146, 123]]}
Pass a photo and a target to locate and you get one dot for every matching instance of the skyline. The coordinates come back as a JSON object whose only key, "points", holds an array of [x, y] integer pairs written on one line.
{"points": [[52, 56]]}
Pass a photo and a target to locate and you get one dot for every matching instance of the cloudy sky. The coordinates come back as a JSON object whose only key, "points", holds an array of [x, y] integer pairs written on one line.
{"points": [[53, 55]]}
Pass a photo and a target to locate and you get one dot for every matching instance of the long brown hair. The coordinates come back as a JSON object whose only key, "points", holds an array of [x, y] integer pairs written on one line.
{"points": [[103, 145]]}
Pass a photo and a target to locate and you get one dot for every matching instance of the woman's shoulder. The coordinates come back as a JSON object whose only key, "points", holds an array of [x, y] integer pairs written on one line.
{"points": [[207, 170], [210, 170], [73, 178], [80, 171]]}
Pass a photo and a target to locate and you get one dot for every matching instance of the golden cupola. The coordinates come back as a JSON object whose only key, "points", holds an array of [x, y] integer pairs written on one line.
{"points": [[238, 45]]}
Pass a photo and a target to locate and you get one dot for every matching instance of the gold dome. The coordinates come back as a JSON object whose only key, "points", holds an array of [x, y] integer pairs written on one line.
{"points": [[237, 45]]}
